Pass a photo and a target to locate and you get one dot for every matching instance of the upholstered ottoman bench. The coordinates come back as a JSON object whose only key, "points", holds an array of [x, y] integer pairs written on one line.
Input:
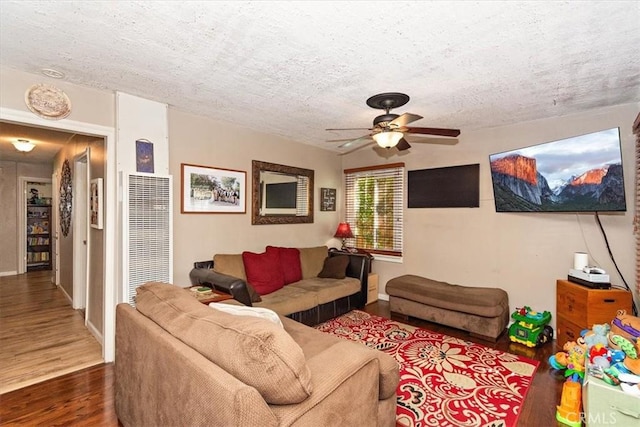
{"points": [[484, 312]]}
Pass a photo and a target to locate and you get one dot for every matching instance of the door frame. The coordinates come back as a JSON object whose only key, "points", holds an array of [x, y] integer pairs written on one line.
{"points": [[111, 267], [22, 218]]}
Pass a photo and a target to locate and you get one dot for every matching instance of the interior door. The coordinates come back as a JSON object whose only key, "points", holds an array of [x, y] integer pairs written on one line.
{"points": [[55, 200], [80, 225]]}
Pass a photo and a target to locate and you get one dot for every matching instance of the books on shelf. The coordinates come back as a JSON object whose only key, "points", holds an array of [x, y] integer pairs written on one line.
{"points": [[37, 256]]}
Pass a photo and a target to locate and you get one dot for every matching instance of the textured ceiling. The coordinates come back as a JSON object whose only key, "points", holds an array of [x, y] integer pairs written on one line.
{"points": [[295, 68]]}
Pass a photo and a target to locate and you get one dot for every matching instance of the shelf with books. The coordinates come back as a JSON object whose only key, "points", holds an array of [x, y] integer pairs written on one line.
{"points": [[39, 251]]}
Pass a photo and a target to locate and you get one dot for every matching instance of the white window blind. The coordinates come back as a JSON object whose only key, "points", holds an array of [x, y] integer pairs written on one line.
{"points": [[374, 205], [636, 221], [302, 199]]}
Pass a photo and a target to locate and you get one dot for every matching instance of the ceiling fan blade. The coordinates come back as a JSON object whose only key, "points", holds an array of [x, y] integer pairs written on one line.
{"points": [[357, 148], [353, 141], [403, 145], [339, 140], [404, 120], [431, 140], [435, 131], [350, 129]]}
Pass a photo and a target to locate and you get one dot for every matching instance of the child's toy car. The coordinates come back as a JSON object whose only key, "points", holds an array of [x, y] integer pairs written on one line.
{"points": [[530, 327]]}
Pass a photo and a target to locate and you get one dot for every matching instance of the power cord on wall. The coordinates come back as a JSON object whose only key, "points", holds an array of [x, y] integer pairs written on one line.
{"points": [[606, 241]]}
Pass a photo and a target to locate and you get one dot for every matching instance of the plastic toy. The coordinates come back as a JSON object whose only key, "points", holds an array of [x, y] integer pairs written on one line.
{"points": [[571, 359], [568, 412], [596, 335], [530, 327]]}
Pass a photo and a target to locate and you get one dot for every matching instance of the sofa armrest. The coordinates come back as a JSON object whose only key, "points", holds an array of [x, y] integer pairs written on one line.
{"points": [[234, 286], [160, 381], [359, 266], [341, 373]]}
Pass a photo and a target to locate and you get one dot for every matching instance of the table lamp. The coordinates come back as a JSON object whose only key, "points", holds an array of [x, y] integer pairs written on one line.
{"points": [[343, 232]]}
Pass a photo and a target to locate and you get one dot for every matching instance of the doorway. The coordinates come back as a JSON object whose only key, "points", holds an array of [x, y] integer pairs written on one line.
{"points": [[106, 293], [26, 185]]}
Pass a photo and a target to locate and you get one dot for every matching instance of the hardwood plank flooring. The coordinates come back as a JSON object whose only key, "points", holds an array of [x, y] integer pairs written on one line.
{"points": [[41, 335], [86, 397]]}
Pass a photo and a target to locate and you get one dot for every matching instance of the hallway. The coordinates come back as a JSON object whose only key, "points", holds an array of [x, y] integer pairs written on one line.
{"points": [[41, 336]]}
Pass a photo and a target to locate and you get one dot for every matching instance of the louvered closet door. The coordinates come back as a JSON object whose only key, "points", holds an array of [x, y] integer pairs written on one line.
{"points": [[148, 231]]}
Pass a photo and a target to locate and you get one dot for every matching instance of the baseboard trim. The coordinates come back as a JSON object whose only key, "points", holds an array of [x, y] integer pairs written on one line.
{"points": [[66, 295], [96, 333], [383, 297], [8, 273]]}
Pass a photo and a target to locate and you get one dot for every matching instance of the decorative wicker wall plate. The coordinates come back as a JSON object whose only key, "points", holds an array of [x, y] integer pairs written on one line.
{"points": [[47, 101]]}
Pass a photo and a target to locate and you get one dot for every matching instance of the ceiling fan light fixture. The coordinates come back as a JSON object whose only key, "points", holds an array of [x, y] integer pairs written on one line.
{"points": [[23, 145], [388, 139]]}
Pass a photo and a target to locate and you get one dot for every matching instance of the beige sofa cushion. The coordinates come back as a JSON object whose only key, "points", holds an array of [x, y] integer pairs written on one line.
{"points": [[230, 264], [255, 351], [312, 260], [327, 290], [288, 300]]}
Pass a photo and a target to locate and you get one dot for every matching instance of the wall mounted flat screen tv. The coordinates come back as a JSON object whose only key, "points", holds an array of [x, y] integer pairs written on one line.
{"points": [[281, 195], [578, 174], [447, 187]]}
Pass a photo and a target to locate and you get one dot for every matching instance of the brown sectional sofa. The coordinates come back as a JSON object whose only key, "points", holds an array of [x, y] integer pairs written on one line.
{"points": [[179, 362], [311, 300]]}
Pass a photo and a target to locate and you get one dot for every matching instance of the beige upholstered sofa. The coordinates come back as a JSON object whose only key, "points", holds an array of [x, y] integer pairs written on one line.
{"points": [[307, 298], [182, 363]]}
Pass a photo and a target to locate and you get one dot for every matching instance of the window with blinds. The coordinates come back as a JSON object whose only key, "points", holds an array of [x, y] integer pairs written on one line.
{"points": [[374, 202], [302, 200], [636, 220]]}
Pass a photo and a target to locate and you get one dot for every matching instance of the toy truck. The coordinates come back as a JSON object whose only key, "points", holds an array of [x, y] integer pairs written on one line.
{"points": [[530, 327]]}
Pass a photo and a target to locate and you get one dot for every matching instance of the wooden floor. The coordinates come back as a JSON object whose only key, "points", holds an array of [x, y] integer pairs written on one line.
{"points": [[41, 335], [86, 397]]}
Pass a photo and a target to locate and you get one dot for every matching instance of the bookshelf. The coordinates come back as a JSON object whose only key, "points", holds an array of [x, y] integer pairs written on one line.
{"points": [[38, 237]]}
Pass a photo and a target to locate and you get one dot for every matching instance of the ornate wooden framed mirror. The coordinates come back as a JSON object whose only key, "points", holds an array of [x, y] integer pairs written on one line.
{"points": [[281, 194]]}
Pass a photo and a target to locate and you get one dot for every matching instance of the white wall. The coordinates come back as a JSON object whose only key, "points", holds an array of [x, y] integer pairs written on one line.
{"points": [[200, 141], [140, 118], [523, 253]]}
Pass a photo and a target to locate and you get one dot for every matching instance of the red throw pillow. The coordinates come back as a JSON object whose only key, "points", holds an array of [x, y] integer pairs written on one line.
{"points": [[289, 263], [263, 271]]}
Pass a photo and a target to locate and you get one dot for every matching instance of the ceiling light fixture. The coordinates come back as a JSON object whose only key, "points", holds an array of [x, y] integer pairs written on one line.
{"points": [[54, 74], [24, 145], [388, 138]]}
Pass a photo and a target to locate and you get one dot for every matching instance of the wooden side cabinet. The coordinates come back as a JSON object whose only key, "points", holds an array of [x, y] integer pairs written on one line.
{"points": [[372, 294], [579, 307]]}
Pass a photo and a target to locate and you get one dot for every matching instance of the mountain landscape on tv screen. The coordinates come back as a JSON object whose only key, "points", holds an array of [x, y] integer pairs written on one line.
{"points": [[519, 187]]}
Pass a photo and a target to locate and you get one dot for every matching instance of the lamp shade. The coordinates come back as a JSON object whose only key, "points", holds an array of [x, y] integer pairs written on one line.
{"points": [[343, 231], [388, 139], [24, 145]]}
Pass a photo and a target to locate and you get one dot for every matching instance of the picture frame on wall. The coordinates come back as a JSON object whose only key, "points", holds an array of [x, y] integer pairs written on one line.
{"points": [[327, 199], [144, 156], [212, 190], [95, 203]]}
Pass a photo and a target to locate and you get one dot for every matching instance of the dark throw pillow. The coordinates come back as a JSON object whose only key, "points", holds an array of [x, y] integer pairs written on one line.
{"points": [[335, 267], [289, 263], [263, 271]]}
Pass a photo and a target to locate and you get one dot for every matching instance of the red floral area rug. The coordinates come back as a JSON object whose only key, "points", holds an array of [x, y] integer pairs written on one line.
{"points": [[444, 381]]}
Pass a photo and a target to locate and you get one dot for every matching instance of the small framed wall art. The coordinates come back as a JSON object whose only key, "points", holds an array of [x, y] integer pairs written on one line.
{"points": [[327, 199], [95, 203], [144, 156], [207, 189]]}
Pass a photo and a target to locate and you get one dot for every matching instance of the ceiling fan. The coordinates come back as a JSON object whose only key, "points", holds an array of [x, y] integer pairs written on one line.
{"points": [[389, 130]]}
